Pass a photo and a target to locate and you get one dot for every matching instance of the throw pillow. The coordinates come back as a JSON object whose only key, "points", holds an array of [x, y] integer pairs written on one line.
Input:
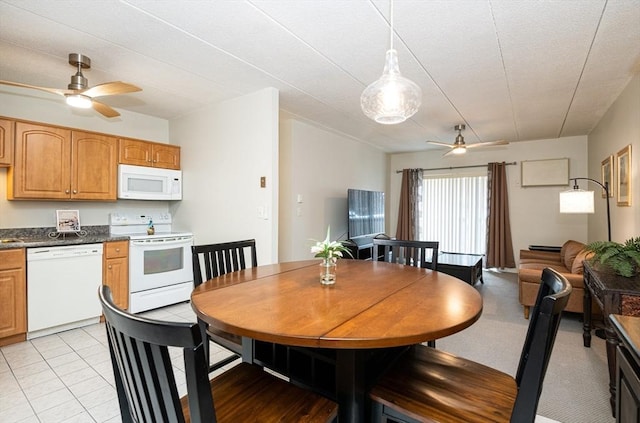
{"points": [[577, 266], [571, 250]]}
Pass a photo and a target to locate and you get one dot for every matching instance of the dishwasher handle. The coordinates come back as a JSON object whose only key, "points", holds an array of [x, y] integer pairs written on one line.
{"points": [[51, 253]]}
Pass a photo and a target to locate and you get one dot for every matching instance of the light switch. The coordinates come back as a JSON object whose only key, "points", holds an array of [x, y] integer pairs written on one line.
{"points": [[263, 182], [299, 198]]}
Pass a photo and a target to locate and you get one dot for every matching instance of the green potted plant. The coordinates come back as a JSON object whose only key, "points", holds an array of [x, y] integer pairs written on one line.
{"points": [[623, 259]]}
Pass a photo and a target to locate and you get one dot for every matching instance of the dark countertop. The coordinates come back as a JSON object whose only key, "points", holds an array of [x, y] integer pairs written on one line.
{"points": [[39, 237]]}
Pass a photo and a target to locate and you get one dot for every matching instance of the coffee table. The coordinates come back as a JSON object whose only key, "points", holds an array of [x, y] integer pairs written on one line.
{"points": [[467, 267]]}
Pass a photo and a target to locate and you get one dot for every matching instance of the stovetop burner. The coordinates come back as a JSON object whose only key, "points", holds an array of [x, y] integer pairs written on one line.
{"points": [[135, 225]]}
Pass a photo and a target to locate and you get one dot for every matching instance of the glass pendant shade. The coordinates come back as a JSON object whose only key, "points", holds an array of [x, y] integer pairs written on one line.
{"points": [[576, 201], [79, 100], [392, 98]]}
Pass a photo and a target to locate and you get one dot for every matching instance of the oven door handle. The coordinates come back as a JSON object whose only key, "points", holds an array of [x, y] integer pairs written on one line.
{"points": [[165, 241]]}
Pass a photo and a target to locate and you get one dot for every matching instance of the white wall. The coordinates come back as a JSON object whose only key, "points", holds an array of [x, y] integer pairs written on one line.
{"points": [[320, 165], [226, 148], [619, 127], [29, 105], [534, 211]]}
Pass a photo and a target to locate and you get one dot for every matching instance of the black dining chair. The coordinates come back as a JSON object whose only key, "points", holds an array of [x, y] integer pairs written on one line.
{"points": [[413, 253], [146, 384], [426, 384], [212, 260]]}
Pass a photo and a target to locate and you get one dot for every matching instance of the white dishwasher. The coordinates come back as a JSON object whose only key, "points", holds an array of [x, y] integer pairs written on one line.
{"points": [[62, 288]]}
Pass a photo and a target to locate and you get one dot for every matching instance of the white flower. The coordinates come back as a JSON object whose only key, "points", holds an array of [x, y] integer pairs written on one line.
{"points": [[329, 249]]}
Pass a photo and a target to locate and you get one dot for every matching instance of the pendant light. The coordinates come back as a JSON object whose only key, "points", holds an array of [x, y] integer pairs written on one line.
{"points": [[392, 98]]}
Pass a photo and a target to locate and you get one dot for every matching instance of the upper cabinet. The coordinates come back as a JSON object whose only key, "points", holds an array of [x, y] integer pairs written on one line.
{"points": [[146, 153], [54, 163], [6, 142]]}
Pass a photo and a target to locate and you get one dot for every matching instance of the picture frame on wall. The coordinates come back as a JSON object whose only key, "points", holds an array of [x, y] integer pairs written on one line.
{"points": [[607, 175], [623, 159], [549, 172], [68, 220]]}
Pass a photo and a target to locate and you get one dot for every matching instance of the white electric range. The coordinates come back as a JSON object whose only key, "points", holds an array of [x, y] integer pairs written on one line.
{"points": [[160, 270]]}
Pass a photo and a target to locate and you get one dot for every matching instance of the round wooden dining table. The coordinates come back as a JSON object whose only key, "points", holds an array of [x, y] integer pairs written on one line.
{"points": [[373, 306]]}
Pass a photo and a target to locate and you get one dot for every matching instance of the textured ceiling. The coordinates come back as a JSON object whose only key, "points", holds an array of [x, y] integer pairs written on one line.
{"points": [[512, 70]]}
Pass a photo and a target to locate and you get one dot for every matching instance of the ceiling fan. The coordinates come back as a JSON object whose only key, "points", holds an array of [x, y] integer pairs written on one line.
{"points": [[79, 94], [459, 146]]}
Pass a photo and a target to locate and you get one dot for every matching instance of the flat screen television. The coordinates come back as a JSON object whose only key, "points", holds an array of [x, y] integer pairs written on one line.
{"points": [[366, 213]]}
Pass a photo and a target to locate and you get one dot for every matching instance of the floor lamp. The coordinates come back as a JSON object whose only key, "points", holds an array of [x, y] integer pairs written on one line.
{"points": [[579, 201]]}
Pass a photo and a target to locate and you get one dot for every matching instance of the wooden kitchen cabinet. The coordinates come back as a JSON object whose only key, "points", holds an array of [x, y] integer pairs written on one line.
{"points": [[53, 163], [6, 142], [147, 153], [13, 296], [115, 271]]}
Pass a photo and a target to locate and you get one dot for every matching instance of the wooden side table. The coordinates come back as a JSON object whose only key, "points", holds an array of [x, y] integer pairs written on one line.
{"points": [[615, 295]]}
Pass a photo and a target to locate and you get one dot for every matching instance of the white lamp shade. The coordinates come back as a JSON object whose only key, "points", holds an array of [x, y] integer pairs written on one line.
{"points": [[577, 201]]}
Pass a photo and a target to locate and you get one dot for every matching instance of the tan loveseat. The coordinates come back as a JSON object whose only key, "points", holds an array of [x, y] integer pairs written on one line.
{"points": [[568, 262]]}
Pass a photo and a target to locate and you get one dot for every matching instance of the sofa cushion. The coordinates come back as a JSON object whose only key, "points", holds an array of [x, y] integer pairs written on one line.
{"points": [[569, 251], [533, 271], [533, 275], [577, 266]]}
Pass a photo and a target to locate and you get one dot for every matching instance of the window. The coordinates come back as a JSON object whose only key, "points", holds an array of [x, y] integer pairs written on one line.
{"points": [[454, 212]]}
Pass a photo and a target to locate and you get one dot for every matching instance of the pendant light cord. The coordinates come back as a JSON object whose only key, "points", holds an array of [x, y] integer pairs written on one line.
{"points": [[391, 25]]}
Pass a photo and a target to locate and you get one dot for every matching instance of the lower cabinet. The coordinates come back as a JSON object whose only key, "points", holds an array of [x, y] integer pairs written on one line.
{"points": [[628, 387], [115, 271], [13, 296]]}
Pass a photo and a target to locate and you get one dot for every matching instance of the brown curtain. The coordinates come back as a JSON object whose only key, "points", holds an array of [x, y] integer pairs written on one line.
{"points": [[499, 245], [410, 204]]}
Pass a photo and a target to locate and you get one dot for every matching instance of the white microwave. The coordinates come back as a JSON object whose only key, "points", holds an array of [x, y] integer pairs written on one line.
{"points": [[149, 183]]}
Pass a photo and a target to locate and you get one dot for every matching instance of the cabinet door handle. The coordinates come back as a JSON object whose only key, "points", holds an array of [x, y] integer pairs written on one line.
{"points": [[66, 191], [117, 250], [109, 267], [75, 191]]}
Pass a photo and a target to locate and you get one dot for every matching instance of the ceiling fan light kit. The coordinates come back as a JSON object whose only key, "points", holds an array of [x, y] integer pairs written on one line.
{"points": [[392, 98], [78, 100]]}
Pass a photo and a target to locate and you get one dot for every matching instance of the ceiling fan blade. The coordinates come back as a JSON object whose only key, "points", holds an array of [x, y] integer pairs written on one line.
{"points": [[49, 90], [110, 88], [487, 144], [441, 144], [104, 110]]}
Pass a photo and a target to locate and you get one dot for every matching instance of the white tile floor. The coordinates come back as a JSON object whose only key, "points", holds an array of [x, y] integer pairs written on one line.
{"points": [[67, 377]]}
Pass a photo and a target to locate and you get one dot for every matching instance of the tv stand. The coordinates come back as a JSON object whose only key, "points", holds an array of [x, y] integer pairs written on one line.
{"points": [[361, 247]]}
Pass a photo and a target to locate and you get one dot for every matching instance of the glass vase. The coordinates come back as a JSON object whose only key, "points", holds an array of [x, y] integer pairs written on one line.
{"points": [[327, 272]]}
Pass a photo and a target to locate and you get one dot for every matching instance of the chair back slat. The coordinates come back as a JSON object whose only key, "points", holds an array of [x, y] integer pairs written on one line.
{"points": [[412, 253], [553, 296], [222, 258], [145, 382]]}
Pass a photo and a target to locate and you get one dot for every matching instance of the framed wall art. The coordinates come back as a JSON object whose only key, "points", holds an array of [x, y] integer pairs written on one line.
{"points": [[538, 173], [623, 163], [68, 220], [607, 175]]}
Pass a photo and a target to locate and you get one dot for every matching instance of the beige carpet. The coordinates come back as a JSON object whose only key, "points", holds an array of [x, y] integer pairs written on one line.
{"points": [[576, 387]]}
